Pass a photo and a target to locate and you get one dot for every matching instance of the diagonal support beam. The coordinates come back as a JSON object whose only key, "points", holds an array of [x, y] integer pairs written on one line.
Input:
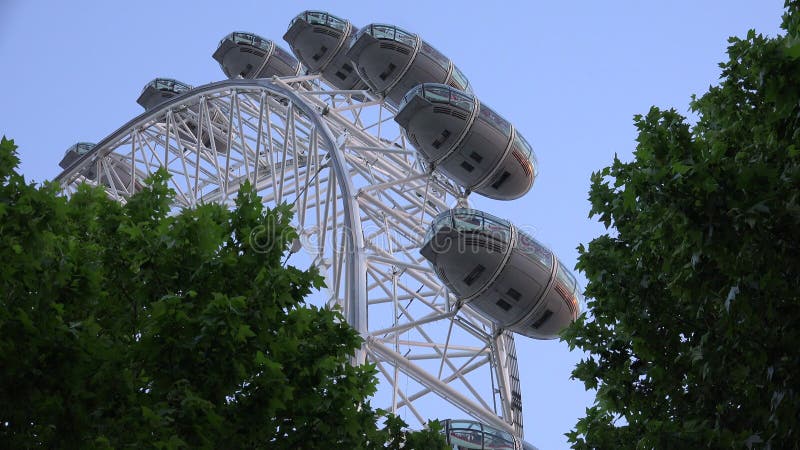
{"points": [[442, 389]]}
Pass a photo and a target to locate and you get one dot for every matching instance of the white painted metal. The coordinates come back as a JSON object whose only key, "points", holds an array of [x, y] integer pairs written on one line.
{"points": [[363, 203]]}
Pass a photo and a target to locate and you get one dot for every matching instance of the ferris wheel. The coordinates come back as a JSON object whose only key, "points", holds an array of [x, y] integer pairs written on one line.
{"points": [[377, 141]]}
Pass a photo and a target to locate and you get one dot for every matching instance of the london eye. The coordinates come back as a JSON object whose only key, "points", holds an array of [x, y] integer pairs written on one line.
{"points": [[378, 141]]}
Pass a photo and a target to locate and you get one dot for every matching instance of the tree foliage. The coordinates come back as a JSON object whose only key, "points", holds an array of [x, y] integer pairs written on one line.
{"points": [[131, 326], [693, 339]]}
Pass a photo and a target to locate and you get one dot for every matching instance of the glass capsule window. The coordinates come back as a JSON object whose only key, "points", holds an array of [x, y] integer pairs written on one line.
{"points": [[497, 227], [390, 32], [381, 31], [405, 37], [249, 39], [462, 100], [578, 294], [567, 286], [440, 93], [441, 221], [317, 17], [81, 148], [436, 94], [336, 23], [495, 120], [467, 220], [321, 18], [521, 144], [459, 77], [464, 434], [437, 56], [536, 251], [169, 85], [474, 220], [568, 279]]}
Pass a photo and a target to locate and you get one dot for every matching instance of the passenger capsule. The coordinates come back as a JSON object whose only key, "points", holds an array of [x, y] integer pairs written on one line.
{"points": [[502, 273], [320, 41], [469, 434], [468, 141], [76, 151], [115, 173], [248, 55], [391, 61], [162, 89]]}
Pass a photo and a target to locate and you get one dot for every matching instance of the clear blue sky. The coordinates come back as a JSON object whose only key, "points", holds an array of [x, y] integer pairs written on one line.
{"points": [[569, 75]]}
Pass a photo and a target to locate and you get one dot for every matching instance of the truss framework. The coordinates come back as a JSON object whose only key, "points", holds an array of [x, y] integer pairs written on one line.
{"points": [[363, 203]]}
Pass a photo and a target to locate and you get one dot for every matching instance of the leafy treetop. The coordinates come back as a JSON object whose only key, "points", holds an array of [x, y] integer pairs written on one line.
{"points": [[130, 326], [693, 339]]}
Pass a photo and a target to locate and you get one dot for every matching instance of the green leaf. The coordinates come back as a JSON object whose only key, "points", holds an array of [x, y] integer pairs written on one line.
{"points": [[244, 333], [792, 49]]}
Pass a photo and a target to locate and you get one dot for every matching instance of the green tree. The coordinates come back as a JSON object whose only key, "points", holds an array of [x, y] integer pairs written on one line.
{"points": [[693, 336], [130, 326]]}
